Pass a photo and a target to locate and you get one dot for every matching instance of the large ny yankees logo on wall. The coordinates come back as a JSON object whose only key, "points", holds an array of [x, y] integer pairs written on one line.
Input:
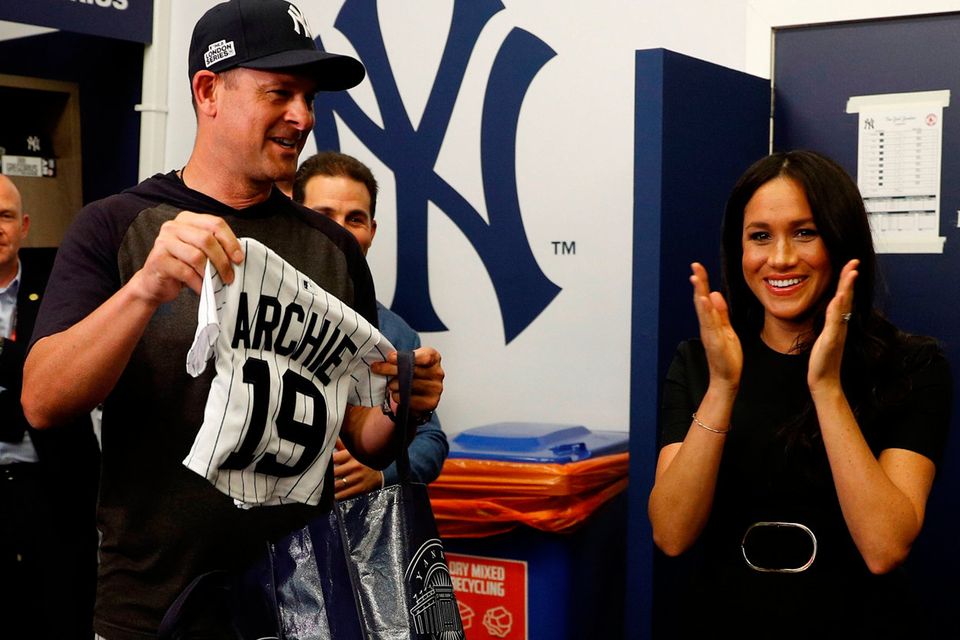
{"points": [[522, 289]]}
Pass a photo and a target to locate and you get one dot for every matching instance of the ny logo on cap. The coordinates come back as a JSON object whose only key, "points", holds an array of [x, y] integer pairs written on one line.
{"points": [[299, 22]]}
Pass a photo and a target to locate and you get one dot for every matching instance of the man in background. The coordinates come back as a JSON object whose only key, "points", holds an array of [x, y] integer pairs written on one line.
{"points": [[344, 190], [48, 480]]}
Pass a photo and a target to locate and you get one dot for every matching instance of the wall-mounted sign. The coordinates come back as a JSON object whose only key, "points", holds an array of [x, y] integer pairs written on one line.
{"points": [[898, 168], [28, 166], [121, 19], [491, 595]]}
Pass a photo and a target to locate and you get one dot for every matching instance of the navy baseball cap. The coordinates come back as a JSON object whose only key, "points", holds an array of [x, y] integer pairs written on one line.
{"points": [[269, 35]]}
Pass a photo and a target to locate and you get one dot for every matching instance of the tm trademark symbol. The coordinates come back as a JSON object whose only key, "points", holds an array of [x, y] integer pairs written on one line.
{"points": [[564, 248]]}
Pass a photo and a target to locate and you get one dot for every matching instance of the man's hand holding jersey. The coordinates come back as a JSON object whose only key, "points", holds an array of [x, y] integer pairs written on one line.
{"points": [[368, 433], [180, 253]]}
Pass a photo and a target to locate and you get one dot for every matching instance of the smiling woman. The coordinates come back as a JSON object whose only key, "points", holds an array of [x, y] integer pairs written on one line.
{"points": [[785, 262], [800, 434]]}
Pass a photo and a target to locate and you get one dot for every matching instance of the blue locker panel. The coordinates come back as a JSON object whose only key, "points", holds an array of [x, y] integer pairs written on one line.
{"points": [[697, 127], [815, 70]]}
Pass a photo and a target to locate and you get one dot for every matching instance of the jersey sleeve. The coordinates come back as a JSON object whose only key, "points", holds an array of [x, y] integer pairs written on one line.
{"points": [[370, 389], [208, 322]]}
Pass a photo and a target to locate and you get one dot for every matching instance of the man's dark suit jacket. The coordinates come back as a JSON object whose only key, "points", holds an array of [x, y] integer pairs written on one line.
{"points": [[69, 466], [35, 268], [69, 451]]}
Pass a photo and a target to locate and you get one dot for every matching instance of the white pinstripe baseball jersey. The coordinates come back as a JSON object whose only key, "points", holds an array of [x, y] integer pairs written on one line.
{"points": [[289, 358]]}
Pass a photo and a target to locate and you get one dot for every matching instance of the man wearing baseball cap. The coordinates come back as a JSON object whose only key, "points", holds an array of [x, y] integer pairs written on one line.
{"points": [[121, 309]]}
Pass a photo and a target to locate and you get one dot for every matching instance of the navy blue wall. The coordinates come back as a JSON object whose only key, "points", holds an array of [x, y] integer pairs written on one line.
{"points": [[121, 19], [109, 73], [697, 127], [816, 70]]}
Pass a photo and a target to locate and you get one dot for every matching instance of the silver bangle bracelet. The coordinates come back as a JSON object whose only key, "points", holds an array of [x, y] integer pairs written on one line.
{"points": [[708, 428]]}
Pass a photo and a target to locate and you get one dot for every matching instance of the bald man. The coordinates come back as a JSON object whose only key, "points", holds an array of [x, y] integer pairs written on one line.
{"points": [[48, 481]]}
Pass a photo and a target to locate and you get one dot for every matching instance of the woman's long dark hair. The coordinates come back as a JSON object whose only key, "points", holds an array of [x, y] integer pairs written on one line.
{"points": [[841, 220]]}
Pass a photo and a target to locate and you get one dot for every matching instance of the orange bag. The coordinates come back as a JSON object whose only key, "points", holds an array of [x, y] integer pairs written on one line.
{"points": [[476, 498]]}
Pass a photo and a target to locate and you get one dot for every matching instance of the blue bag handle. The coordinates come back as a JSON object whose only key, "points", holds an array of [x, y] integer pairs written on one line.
{"points": [[405, 379]]}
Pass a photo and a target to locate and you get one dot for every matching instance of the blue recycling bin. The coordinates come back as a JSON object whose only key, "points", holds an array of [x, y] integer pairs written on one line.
{"points": [[535, 442], [575, 582]]}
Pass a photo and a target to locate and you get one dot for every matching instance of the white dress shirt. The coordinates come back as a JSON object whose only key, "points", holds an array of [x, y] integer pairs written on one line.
{"points": [[23, 451]]}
